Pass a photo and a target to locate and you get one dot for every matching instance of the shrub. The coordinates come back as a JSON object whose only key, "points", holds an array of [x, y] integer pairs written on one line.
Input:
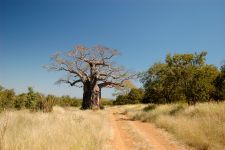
{"points": [[20, 101], [6, 99], [34, 101], [133, 97], [31, 100], [121, 100]]}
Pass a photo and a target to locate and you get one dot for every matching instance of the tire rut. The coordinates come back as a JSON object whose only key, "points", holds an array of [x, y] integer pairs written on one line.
{"points": [[136, 135]]}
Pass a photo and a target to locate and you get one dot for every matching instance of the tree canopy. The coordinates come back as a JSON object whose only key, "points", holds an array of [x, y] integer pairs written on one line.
{"points": [[182, 77]]}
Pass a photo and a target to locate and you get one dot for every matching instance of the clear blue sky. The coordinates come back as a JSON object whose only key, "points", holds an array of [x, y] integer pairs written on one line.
{"points": [[143, 31]]}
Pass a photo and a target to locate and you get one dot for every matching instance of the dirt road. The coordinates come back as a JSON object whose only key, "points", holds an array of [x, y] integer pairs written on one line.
{"points": [[136, 135]]}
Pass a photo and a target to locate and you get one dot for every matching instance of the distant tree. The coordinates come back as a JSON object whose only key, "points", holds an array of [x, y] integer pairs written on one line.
{"points": [[135, 96], [121, 100], [31, 99], [20, 101], [90, 68], [125, 88], [34, 100], [6, 98]]}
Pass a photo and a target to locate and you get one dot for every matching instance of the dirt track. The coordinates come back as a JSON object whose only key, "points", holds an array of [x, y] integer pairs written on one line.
{"points": [[136, 135]]}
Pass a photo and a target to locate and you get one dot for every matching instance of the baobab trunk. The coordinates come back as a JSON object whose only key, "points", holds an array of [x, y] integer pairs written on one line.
{"points": [[96, 96], [90, 96]]}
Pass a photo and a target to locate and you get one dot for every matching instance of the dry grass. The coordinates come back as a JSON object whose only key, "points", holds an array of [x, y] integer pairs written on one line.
{"points": [[200, 127], [63, 129]]}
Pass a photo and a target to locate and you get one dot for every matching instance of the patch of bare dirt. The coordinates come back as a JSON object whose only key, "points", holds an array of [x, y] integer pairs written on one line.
{"points": [[136, 135]]}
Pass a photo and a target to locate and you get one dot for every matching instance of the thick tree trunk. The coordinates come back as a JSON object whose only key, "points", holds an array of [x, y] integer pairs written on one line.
{"points": [[86, 103], [90, 96]]}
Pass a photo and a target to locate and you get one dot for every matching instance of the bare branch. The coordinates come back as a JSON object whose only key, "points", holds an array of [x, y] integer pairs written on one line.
{"points": [[92, 65], [72, 83]]}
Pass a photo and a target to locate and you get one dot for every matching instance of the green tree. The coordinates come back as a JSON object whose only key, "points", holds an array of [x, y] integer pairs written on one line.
{"points": [[121, 100], [34, 100], [161, 84], [219, 84], [20, 101], [201, 87], [135, 96], [181, 77], [31, 99], [125, 88], [6, 98]]}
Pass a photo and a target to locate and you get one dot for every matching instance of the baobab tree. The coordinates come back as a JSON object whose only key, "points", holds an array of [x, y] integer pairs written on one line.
{"points": [[91, 69]]}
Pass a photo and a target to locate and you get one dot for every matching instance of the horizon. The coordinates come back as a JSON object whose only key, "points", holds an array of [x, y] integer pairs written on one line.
{"points": [[143, 31]]}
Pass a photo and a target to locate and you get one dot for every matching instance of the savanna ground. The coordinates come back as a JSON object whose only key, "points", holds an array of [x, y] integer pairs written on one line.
{"points": [[142, 127]]}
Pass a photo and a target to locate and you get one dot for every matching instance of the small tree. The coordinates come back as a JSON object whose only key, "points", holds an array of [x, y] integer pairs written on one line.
{"points": [[6, 98], [121, 100], [125, 88], [135, 95], [31, 99], [90, 68], [20, 101]]}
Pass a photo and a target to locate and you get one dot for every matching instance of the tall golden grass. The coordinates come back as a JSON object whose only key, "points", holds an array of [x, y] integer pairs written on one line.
{"points": [[201, 126], [63, 129]]}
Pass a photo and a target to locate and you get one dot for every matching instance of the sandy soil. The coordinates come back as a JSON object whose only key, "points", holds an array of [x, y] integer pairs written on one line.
{"points": [[136, 135]]}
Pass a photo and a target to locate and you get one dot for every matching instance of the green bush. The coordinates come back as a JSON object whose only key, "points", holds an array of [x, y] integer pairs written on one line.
{"points": [[133, 97], [121, 100], [20, 101], [7, 98], [34, 101]]}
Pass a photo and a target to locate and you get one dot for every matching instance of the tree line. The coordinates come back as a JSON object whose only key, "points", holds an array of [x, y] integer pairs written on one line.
{"points": [[181, 78], [33, 101]]}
